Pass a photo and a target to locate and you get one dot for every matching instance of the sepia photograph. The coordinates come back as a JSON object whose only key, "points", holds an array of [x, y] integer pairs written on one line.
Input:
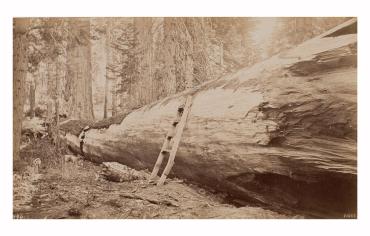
{"points": [[185, 118]]}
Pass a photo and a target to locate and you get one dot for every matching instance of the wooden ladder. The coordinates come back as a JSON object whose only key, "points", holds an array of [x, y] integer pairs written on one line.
{"points": [[171, 143]]}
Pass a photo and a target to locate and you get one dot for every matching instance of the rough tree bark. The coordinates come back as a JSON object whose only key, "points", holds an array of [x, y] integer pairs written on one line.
{"points": [[58, 75], [32, 99], [114, 100], [281, 133], [79, 70], [19, 76], [50, 90], [105, 115], [108, 56]]}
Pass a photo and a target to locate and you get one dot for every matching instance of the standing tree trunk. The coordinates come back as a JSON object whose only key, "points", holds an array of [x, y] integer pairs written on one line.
{"points": [[50, 88], [57, 92], [114, 100], [79, 70], [108, 53], [32, 99], [89, 88], [106, 99], [19, 76]]}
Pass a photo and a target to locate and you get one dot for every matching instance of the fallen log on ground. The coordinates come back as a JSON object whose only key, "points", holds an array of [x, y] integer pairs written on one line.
{"points": [[281, 133], [151, 200], [116, 172]]}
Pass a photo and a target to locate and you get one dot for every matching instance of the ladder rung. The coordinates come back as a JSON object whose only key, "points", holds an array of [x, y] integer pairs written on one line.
{"points": [[176, 121], [180, 109], [166, 151]]}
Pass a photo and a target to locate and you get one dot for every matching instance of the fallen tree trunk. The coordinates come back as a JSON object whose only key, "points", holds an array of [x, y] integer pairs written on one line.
{"points": [[281, 133], [116, 172]]}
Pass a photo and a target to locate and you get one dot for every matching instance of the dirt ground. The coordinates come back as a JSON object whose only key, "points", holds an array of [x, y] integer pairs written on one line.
{"points": [[68, 190]]}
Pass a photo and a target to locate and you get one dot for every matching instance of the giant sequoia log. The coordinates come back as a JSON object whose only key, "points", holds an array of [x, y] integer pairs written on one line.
{"points": [[281, 133]]}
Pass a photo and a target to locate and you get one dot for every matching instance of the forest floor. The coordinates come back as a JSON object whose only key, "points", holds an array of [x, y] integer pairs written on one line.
{"points": [[68, 190]]}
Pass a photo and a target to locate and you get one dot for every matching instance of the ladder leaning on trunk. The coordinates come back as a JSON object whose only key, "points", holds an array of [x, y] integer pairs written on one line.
{"points": [[171, 143]]}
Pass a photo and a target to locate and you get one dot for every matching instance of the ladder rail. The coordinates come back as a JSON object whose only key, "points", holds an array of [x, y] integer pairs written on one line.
{"points": [[165, 146], [176, 141], [159, 161]]}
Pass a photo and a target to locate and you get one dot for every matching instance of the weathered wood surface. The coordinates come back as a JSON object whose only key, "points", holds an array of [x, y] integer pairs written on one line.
{"points": [[281, 133], [116, 172]]}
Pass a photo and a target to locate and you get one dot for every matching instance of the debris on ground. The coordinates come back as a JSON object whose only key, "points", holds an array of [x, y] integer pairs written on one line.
{"points": [[65, 190]]}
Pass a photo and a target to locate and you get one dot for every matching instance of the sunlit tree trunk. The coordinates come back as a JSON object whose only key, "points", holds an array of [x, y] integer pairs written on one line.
{"points": [[79, 70], [108, 50], [114, 100]]}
